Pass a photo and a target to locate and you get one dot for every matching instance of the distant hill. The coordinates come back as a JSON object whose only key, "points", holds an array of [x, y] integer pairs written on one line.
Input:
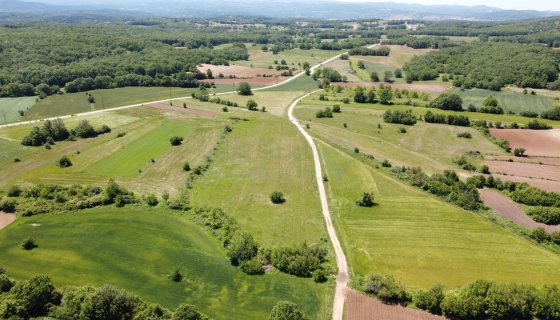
{"points": [[317, 9]]}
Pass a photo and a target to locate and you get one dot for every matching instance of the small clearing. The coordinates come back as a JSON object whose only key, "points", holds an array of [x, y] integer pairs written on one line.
{"points": [[199, 112], [536, 142], [238, 71], [361, 307], [6, 219], [509, 209], [265, 81]]}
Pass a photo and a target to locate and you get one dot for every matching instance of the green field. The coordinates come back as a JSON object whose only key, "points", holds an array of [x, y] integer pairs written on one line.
{"points": [[507, 100], [10, 107], [136, 248], [73, 103], [420, 239], [293, 57]]}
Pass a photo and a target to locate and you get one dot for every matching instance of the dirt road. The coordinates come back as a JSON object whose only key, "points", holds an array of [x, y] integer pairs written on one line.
{"points": [[342, 264]]}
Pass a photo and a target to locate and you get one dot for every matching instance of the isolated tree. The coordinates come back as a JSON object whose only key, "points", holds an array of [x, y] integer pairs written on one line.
{"points": [[387, 76], [209, 74], [175, 141], [447, 101], [374, 76], [519, 152], [28, 244], [366, 200], [277, 197], [490, 101], [176, 276], [398, 73], [359, 95], [244, 89], [85, 130], [285, 310], [361, 64], [186, 167], [64, 162], [385, 95]]}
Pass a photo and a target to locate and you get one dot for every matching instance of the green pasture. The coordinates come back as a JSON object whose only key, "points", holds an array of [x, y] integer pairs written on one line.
{"points": [[420, 239], [507, 100], [293, 57], [135, 248], [10, 107]]}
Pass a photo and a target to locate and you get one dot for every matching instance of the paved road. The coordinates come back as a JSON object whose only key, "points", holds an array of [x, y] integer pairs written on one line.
{"points": [[342, 277]]}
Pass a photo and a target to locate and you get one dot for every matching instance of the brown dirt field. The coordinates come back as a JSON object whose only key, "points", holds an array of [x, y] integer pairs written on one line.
{"points": [[6, 219], [428, 88], [509, 209], [529, 170], [552, 186], [361, 307], [253, 81], [529, 159], [259, 55], [199, 112], [238, 71], [536, 142]]}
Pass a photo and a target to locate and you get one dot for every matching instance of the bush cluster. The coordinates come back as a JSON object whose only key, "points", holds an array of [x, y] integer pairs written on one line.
{"points": [[37, 297], [400, 117], [363, 51], [55, 130], [453, 120], [545, 215], [446, 185], [300, 261], [327, 113], [447, 101]]}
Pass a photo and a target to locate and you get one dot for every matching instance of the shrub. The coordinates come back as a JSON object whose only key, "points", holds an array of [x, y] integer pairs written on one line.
{"points": [[300, 261], [336, 108], [540, 235], [252, 105], [277, 197], [225, 109], [402, 130], [176, 276], [186, 167], [175, 141], [244, 89], [84, 130], [104, 129], [386, 289], [319, 276], [252, 267], [28, 244], [285, 310], [536, 125], [327, 113], [5, 284], [430, 300], [467, 302], [519, 152], [152, 200], [464, 134], [366, 200], [545, 215], [14, 191], [552, 114], [529, 114], [34, 296], [535, 197], [64, 162], [385, 163], [546, 305], [242, 247]]}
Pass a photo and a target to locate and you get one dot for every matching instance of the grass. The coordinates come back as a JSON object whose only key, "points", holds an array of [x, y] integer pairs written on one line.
{"points": [[129, 161], [420, 239], [507, 100], [10, 107], [10, 151], [110, 245], [73, 103], [259, 157], [430, 146]]}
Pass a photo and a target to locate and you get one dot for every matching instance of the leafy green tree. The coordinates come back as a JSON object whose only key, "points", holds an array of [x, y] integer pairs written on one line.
{"points": [[277, 197], [84, 130], [371, 97], [430, 300], [519, 152], [366, 200], [244, 89], [64, 162], [176, 141], [285, 310], [188, 312], [359, 95], [547, 303], [34, 296], [385, 95], [374, 76], [398, 73], [28, 244], [387, 75], [109, 303], [447, 101], [252, 105], [242, 247]]}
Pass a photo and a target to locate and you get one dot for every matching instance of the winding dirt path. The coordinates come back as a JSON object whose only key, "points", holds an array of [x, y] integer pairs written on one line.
{"points": [[341, 262]]}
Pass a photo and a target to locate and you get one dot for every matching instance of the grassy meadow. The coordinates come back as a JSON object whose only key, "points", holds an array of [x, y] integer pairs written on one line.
{"points": [[294, 57], [420, 239], [10, 107], [507, 100], [136, 248]]}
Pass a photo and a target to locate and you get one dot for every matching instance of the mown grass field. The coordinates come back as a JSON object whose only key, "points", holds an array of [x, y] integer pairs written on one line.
{"points": [[136, 248], [420, 239], [507, 100], [10, 107], [73, 103], [128, 159]]}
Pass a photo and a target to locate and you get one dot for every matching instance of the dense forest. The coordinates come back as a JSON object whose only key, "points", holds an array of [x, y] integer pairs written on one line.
{"points": [[490, 66]]}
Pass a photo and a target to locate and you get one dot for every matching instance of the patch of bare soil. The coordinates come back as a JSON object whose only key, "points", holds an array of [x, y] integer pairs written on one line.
{"points": [[509, 209], [548, 185], [238, 71], [529, 159], [6, 219], [525, 169], [428, 88], [265, 81], [199, 112], [361, 307], [536, 142]]}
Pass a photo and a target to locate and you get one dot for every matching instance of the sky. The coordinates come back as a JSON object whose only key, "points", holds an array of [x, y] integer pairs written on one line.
{"points": [[541, 5]]}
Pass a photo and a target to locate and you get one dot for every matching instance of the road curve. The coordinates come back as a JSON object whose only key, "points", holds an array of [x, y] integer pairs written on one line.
{"points": [[341, 262]]}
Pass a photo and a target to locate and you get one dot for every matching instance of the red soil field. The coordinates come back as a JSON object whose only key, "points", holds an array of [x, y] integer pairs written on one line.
{"points": [[252, 81], [361, 307], [6, 219], [238, 71], [164, 106], [529, 170], [528, 159], [509, 209], [428, 88], [536, 142]]}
